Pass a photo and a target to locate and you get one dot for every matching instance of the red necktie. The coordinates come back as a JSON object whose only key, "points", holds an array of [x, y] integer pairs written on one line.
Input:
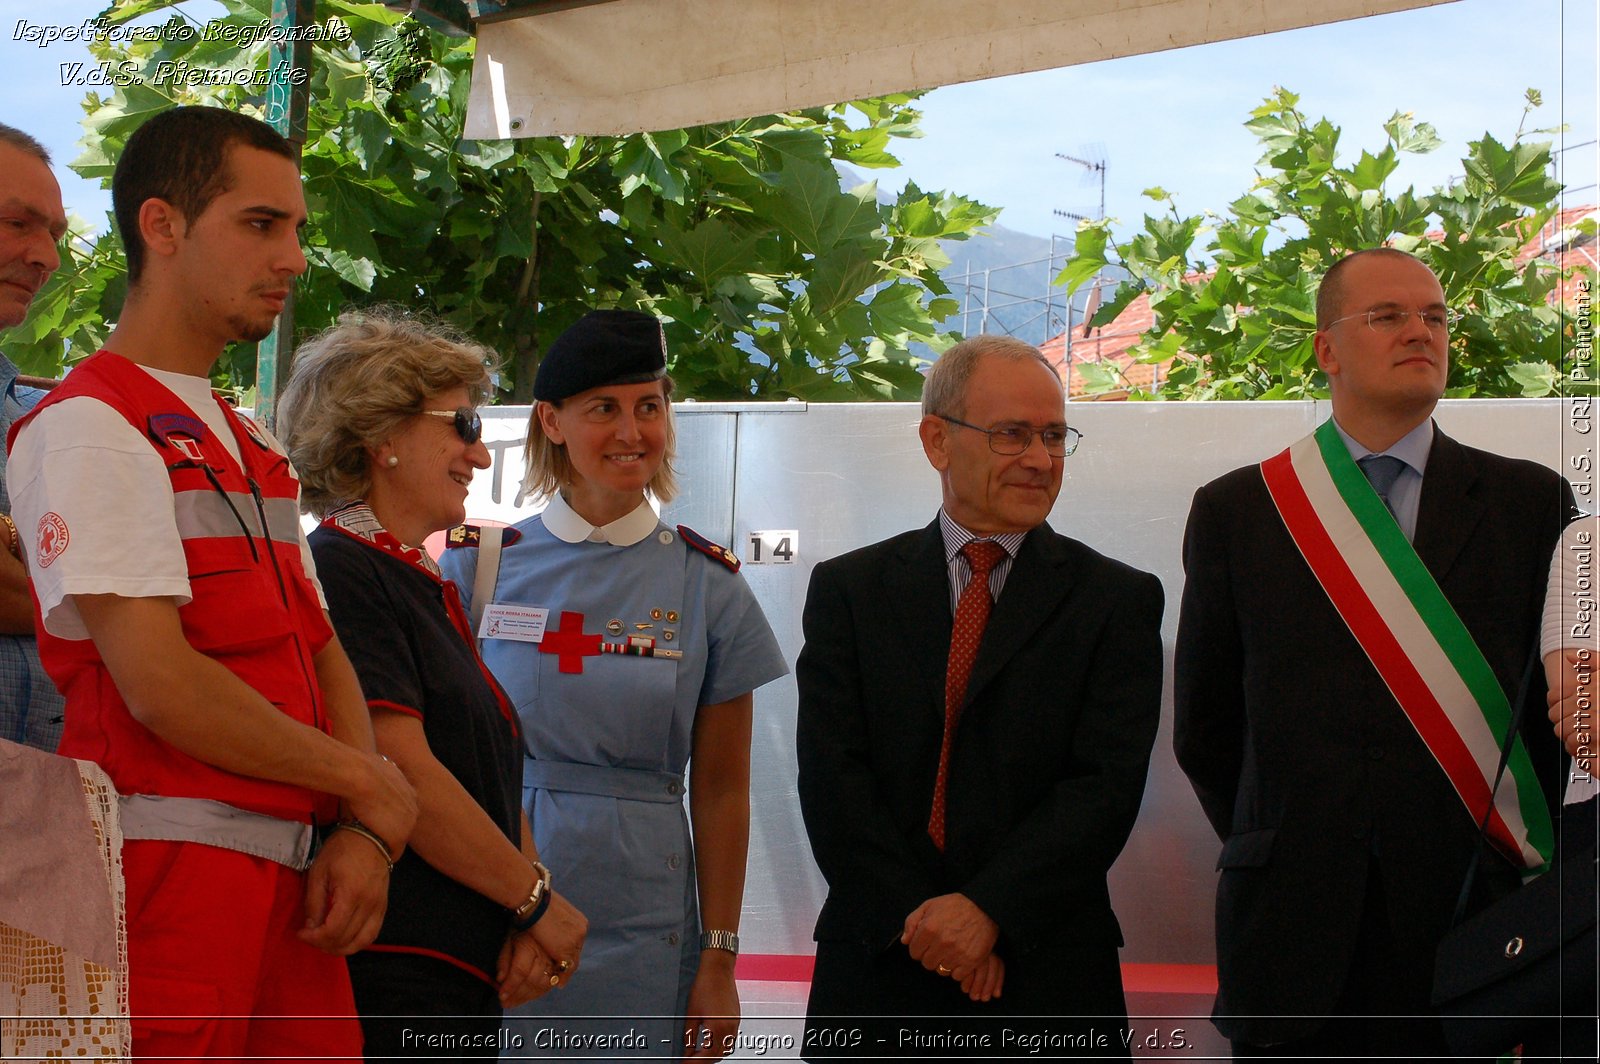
{"points": [[972, 614]]}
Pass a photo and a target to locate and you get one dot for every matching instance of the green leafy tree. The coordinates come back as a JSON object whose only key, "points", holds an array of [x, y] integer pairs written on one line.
{"points": [[777, 281], [1238, 312]]}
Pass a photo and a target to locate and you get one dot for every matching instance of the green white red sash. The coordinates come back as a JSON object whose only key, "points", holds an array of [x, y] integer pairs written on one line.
{"points": [[1412, 635]]}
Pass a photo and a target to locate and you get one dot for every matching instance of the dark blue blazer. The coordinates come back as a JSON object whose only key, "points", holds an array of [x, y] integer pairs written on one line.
{"points": [[1303, 761], [1047, 769]]}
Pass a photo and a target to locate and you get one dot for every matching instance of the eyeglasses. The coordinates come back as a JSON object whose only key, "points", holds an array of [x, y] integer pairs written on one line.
{"points": [[465, 420], [1393, 319], [1059, 440]]}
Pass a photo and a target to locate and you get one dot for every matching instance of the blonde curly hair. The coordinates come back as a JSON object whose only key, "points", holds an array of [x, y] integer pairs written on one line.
{"points": [[356, 383]]}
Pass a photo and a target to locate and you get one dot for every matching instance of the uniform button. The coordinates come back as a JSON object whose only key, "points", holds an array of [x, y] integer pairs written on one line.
{"points": [[1375, 753], [1358, 833], [665, 536], [674, 861], [674, 787], [672, 939]]}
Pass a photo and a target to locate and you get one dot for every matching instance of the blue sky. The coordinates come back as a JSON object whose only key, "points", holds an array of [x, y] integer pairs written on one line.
{"points": [[1173, 119]]}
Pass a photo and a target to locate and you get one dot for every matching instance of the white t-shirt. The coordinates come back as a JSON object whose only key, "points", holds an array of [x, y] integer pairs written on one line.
{"points": [[1570, 617], [80, 461]]}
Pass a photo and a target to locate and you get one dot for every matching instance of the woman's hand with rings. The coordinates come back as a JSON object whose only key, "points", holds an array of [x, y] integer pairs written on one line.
{"points": [[524, 971], [560, 933]]}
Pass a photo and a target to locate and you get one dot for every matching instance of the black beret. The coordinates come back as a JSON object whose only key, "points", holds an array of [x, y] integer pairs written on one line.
{"points": [[602, 347]]}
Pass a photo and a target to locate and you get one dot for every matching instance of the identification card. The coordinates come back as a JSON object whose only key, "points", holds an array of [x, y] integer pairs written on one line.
{"points": [[502, 620]]}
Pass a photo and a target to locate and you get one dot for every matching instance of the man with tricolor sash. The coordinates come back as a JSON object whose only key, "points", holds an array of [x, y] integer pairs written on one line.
{"points": [[1357, 615]]}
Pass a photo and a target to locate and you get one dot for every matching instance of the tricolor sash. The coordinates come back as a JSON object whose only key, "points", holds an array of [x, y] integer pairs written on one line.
{"points": [[1412, 635]]}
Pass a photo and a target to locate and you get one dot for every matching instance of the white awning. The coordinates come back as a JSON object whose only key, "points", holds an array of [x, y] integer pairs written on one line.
{"points": [[626, 66]]}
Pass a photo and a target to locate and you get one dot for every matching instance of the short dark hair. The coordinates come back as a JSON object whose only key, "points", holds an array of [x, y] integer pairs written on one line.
{"points": [[1330, 294], [22, 142], [180, 156]]}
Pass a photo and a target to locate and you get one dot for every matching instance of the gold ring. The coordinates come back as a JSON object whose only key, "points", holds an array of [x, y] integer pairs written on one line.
{"points": [[943, 970], [555, 980]]}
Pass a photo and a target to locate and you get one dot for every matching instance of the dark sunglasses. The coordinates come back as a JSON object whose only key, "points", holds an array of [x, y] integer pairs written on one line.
{"points": [[465, 420]]}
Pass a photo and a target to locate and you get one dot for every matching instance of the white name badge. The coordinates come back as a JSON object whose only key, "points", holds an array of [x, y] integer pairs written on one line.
{"points": [[502, 620]]}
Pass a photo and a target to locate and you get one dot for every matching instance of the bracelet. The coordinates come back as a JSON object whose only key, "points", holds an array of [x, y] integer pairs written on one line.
{"points": [[356, 826], [528, 913], [14, 541], [725, 940]]}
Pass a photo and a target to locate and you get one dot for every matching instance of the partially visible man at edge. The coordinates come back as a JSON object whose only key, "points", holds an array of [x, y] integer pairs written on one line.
{"points": [[1316, 702], [32, 222], [183, 622]]}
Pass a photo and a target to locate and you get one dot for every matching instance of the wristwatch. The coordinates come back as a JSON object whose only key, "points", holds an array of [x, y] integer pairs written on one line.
{"points": [[527, 914], [720, 940]]}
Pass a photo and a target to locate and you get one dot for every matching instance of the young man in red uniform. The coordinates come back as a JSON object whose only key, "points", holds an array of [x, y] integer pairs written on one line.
{"points": [[182, 620]]}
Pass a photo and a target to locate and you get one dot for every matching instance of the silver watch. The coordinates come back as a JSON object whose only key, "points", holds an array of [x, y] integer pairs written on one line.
{"points": [[720, 940]]}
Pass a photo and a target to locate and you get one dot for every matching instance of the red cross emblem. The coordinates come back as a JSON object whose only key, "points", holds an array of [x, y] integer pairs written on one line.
{"points": [[569, 643], [189, 447]]}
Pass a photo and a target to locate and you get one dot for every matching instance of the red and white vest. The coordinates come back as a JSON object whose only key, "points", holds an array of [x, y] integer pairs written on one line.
{"points": [[253, 610]]}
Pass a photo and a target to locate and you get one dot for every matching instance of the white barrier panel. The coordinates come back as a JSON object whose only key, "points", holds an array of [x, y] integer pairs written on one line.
{"points": [[833, 477]]}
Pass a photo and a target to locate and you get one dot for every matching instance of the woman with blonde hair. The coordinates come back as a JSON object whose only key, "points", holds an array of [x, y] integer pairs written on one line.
{"points": [[650, 649], [380, 418]]}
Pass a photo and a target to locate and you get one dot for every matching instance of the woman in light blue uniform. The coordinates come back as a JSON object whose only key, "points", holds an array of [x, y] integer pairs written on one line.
{"points": [[651, 647]]}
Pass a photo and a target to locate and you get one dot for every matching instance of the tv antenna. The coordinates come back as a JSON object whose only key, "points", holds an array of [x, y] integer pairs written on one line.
{"points": [[1092, 159], [1093, 162]]}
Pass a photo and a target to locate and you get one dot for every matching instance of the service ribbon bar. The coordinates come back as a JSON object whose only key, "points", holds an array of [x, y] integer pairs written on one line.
{"points": [[640, 649]]}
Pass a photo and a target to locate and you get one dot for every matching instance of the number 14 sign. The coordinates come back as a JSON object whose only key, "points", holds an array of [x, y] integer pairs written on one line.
{"points": [[773, 548]]}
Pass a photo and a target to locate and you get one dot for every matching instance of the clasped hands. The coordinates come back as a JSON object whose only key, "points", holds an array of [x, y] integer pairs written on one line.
{"points": [[535, 961], [1571, 676], [347, 885], [952, 936]]}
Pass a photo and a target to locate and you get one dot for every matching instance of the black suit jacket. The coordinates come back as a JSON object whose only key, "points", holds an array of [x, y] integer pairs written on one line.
{"points": [[1047, 768], [1302, 760]]}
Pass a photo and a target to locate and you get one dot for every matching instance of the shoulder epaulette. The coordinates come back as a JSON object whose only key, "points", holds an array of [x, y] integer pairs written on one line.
{"points": [[257, 435], [163, 427], [709, 548], [468, 536]]}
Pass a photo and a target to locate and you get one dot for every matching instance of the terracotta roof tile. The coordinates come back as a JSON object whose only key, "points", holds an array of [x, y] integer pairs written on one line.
{"points": [[1110, 343]]}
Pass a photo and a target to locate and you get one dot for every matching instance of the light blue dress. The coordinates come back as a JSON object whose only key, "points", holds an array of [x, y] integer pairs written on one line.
{"points": [[607, 747]]}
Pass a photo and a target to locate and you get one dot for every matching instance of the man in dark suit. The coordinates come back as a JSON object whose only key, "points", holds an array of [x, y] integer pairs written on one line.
{"points": [[1345, 843], [966, 786]]}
